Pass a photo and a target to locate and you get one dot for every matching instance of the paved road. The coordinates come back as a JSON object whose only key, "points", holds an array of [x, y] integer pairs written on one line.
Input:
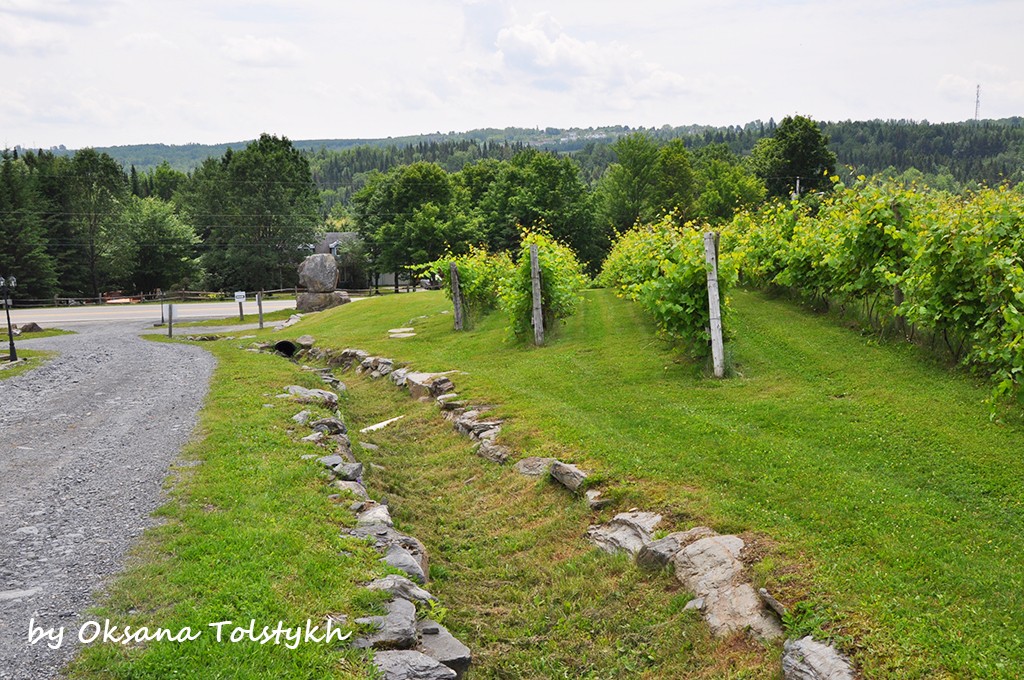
{"points": [[85, 443], [49, 317]]}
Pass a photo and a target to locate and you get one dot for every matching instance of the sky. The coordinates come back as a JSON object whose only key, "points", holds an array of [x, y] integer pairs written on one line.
{"points": [[114, 72]]}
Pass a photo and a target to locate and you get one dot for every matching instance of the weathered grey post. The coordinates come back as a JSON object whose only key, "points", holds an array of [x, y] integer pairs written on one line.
{"points": [[259, 307], [453, 272], [714, 305], [538, 311], [170, 319]]}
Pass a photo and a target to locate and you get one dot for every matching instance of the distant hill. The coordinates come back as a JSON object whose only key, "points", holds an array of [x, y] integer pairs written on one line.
{"points": [[989, 151]]}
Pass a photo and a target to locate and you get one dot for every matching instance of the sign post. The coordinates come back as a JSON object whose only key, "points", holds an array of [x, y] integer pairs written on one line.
{"points": [[259, 307], [240, 298]]}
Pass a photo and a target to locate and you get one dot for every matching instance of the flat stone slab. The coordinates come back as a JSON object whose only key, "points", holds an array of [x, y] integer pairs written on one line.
{"points": [[381, 425], [399, 336], [436, 642], [808, 659], [534, 466], [711, 568], [411, 665], [626, 532], [401, 330], [658, 554]]}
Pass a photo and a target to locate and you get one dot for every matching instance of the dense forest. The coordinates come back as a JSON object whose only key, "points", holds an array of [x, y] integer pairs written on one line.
{"points": [[77, 224]]}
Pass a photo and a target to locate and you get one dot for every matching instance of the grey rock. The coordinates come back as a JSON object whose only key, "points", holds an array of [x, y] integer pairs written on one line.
{"points": [[395, 630], [441, 399], [374, 515], [314, 438], [302, 417], [354, 488], [399, 586], [771, 602], [711, 569], [596, 501], [317, 302], [658, 554], [305, 341], [626, 532], [569, 476], [398, 376], [534, 466], [384, 538], [411, 665], [495, 453], [307, 396], [400, 558], [367, 446], [319, 273], [331, 461], [808, 659], [436, 642], [351, 472], [419, 384], [696, 603], [329, 425]]}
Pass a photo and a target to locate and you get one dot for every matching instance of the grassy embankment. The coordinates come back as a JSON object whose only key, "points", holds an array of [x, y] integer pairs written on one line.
{"points": [[31, 358], [268, 317], [871, 481]]}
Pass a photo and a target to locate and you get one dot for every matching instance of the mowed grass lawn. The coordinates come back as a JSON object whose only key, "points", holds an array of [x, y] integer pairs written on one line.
{"points": [[890, 500]]}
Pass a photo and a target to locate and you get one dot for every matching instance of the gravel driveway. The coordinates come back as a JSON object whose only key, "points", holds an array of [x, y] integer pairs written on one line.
{"points": [[85, 443]]}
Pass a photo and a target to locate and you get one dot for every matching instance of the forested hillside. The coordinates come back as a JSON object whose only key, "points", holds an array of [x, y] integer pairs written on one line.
{"points": [[988, 151]]}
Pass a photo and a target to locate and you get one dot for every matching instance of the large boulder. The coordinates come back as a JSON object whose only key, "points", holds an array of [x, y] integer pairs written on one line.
{"points": [[317, 302], [319, 273]]}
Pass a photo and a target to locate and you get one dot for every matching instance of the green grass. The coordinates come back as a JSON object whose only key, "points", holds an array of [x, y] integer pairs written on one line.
{"points": [[508, 563], [32, 359], [876, 478], [248, 533], [48, 333], [279, 315]]}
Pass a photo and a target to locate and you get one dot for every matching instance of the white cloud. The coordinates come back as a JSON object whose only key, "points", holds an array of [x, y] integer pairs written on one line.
{"points": [[262, 52], [551, 59]]}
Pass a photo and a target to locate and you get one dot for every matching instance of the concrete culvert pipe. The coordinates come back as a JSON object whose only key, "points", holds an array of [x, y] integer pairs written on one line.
{"points": [[286, 347]]}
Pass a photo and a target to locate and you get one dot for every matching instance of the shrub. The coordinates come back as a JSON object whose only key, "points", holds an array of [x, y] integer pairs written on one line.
{"points": [[561, 276], [662, 266]]}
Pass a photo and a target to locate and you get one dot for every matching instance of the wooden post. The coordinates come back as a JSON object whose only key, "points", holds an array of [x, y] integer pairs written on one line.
{"points": [[538, 310], [241, 316], [259, 307], [170, 319], [453, 272], [714, 306]]}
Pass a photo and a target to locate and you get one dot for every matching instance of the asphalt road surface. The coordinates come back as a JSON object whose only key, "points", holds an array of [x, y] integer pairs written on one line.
{"points": [[85, 444], [48, 317]]}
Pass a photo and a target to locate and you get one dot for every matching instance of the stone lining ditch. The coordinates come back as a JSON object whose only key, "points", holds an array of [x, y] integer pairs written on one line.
{"points": [[706, 563]]}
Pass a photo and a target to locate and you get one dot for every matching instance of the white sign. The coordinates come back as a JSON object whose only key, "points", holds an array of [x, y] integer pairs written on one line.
{"points": [[239, 296]]}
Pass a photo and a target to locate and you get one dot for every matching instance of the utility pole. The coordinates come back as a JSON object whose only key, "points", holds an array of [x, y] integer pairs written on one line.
{"points": [[977, 103]]}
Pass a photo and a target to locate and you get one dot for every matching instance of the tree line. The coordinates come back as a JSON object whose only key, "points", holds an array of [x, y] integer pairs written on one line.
{"points": [[80, 225]]}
